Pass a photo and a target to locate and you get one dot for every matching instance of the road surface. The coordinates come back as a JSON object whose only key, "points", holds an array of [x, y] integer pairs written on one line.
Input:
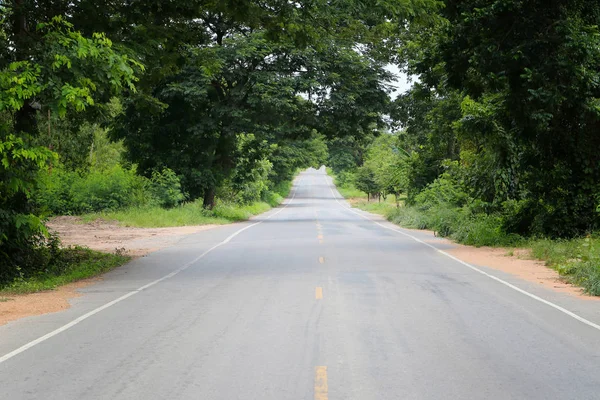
{"points": [[309, 301]]}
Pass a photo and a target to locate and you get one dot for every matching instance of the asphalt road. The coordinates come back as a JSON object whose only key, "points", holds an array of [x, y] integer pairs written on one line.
{"points": [[309, 301]]}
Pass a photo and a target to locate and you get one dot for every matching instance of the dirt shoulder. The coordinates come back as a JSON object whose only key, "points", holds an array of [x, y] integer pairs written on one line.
{"points": [[517, 262], [105, 236], [108, 236]]}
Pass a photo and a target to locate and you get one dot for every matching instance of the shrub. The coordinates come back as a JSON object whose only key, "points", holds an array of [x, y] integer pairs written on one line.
{"points": [[366, 182], [587, 274], [67, 192], [166, 188], [443, 191], [344, 178], [109, 190], [409, 217]]}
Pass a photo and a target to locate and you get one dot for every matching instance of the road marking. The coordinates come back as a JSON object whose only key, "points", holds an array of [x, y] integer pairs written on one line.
{"points": [[321, 260], [320, 242], [505, 283], [138, 290], [321, 388], [318, 293]]}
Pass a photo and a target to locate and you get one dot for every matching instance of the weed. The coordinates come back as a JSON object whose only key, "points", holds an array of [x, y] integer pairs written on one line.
{"points": [[192, 213], [577, 260], [73, 264]]}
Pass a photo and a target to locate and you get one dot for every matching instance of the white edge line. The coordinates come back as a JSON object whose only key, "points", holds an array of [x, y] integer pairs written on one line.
{"points": [[510, 285], [133, 292]]}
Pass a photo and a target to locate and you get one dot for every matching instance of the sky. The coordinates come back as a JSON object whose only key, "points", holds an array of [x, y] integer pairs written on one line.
{"points": [[402, 83]]}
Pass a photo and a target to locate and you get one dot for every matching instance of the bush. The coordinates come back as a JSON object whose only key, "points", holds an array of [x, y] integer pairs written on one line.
{"points": [[67, 192], [66, 265], [166, 188], [587, 275], [28, 258], [408, 217], [443, 191], [344, 178], [109, 190], [460, 224], [366, 182]]}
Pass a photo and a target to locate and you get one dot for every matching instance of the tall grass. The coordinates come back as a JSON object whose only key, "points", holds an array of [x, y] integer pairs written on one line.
{"points": [[576, 260], [72, 264], [193, 213]]}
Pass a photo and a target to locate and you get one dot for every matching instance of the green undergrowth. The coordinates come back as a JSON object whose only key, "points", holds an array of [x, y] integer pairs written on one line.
{"points": [[577, 260], [70, 264], [193, 213], [350, 192]]}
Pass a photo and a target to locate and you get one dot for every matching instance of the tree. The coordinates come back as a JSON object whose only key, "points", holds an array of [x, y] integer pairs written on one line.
{"points": [[251, 86], [54, 69], [427, 118], [528, 74], [366, 181], [387, 161]]}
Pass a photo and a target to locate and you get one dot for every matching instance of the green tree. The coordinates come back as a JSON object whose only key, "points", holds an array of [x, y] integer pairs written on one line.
{"points": [[366, 181], [53, 69], [252, 86], [528, 74], [388, 162]]}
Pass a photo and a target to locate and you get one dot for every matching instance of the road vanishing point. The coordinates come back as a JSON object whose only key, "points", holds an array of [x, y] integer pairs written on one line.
{"points": [[312, 300]]}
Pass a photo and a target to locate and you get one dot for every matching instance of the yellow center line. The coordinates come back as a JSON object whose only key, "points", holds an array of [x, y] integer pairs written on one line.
{"points": [[321, 260], [321, 388], [319, 293]]}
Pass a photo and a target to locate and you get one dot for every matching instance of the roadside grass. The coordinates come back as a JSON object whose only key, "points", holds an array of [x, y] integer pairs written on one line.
{"points": [[157, 217], [192, 213], [71, 264], [76, 263], [350, 192], [577, 260]]}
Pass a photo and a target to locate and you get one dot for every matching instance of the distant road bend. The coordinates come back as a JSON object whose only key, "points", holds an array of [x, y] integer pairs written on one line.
{"points": [[312, 300]]}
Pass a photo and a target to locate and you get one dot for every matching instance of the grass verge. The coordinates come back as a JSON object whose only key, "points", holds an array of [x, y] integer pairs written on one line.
{"points": [[75, 263], [193, 213], [576, 260], [71, 264]]}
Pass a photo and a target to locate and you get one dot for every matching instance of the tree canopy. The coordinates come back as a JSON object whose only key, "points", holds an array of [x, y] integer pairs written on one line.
{"points": [[228, 98]]}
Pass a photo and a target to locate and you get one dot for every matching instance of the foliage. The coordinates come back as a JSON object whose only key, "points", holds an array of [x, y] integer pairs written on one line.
{"points": [[445, 190], [577, 259], [252, 86], [69, 265], [64, 192], [187, 214], [388, 162], [58, 70], [365, 180], [525, 75], [166, 188]]}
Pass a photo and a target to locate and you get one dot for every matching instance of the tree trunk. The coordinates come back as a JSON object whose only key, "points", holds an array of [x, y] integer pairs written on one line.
{"points": [[209, 198]]}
